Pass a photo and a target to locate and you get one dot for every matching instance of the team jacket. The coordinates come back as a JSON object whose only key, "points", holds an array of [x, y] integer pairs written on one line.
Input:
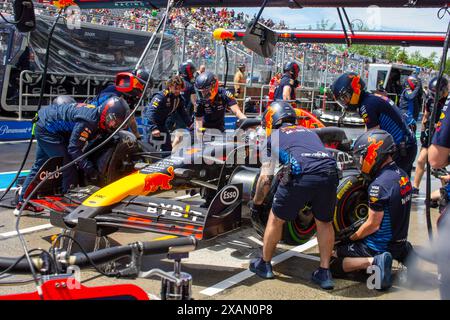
{"points": [[105, 94], [162, 105], [75, 123]]}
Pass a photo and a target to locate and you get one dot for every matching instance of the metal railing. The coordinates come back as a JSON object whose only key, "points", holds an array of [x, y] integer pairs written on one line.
{"points": [[89, 81]]}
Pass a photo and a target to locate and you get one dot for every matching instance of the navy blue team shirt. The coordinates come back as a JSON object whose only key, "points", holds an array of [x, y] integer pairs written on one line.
{"points": [[390, 192], [377, 110], [302, 148], [213, 113], [286, 80], [441, 135]]}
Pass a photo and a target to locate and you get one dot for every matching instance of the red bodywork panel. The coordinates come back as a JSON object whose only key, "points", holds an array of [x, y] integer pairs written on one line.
{"points": [[59, 290]]}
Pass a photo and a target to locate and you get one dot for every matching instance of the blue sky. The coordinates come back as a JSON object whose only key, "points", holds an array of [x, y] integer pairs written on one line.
{"points": [[389, 19]]}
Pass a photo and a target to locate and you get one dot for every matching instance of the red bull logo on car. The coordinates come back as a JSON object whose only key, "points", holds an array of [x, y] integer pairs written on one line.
{"points": [[158, 180]]}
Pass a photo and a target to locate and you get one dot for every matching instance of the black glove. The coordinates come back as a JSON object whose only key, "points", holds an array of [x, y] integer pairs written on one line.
{"points": [[344, 235], [424, 136]]}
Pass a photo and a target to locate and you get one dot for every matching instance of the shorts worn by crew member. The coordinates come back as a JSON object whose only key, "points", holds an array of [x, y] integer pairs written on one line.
{"points": [[314, 177], [213, 113], [156, 113], [390, 192], [286, 80], [377, 110]]}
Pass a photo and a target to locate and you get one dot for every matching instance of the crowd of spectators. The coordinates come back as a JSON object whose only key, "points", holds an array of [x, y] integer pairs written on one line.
{"points": [[198, 23]]}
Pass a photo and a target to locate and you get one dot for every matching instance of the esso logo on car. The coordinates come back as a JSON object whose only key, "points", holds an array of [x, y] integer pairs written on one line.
{"points": [[229, 195], [44, 174]]}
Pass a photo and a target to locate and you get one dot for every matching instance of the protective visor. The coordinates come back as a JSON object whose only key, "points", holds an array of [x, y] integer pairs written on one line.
{"points": [[126, 82]]}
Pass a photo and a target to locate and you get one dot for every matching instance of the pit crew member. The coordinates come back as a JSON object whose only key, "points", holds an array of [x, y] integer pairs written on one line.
{"points": [[438, 155], [410, 102], [212, 103], [422, 159], [128, 85], [378, 112], [155, 114], [310, 177], [383, 236], [64, 130], [288, 82]]}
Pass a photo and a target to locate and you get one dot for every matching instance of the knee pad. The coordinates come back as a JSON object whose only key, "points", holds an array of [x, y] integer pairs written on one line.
{"points": [[337, 266]]}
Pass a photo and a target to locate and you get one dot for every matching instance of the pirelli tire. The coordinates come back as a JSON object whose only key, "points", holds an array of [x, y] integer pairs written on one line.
{"points": [[116, 160], [351, 203], [296, 232]]}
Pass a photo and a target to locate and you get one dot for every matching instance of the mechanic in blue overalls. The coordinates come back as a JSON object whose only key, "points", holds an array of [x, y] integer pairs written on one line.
{"points": [[130, 86], [378, 112], [410, 101], [286, 89], [212, 103], [64, 130], [310, 178], [383, 236], [438, 155], [155, 115]]}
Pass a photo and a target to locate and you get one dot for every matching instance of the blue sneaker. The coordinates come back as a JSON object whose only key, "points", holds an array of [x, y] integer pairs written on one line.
{"points": [[415, 192], [262, 268], [323, 278], [384, 262]]}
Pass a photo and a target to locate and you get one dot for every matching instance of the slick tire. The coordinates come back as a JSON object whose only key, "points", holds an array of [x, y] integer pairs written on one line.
{"points": [[351, 203], [296, 232]]}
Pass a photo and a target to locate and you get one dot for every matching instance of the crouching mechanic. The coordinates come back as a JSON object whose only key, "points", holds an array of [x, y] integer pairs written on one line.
{"points": [[378, 112], [155, 114], [313, 180], [212, 103], [383, 236], [64, 130]]}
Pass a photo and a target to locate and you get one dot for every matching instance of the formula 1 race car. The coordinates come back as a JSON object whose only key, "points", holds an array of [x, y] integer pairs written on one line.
{"points": [[224, 171]]}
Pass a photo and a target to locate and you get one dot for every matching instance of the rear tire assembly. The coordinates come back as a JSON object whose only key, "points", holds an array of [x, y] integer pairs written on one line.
{"points": [[298, 231], [351, 203], [351, 206]]}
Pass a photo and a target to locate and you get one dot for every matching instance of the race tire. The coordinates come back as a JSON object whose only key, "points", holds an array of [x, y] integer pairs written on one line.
{"points": [[114, 161], [351, 203], [296, 232]]}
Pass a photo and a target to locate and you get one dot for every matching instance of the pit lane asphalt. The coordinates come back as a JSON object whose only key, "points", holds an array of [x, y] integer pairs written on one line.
{"points": [[224, 260]]}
